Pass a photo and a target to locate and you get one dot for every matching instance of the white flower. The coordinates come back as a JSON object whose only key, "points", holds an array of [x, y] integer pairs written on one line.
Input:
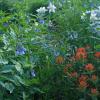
{"points": [[51, 8], [41, 10], [36, 24], [99, 7], [95, 19], [50, 24], [93, 15]]}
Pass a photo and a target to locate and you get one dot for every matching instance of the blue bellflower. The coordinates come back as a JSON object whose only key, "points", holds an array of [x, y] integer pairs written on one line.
{"points": [[41, 21], [5, 24], [20, 50], [33, 73]]}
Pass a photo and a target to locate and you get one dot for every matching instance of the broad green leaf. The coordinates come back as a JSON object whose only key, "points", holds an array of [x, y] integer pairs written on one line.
{"points": [[19, 68], [97, 46], [10, 87], [3, 61]]}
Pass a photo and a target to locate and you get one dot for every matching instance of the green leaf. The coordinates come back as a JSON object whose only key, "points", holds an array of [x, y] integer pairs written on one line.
{"points": [[32, 81], [27, 82], [12, 79], [10, 87], [19, 68], [3, 61], [2, 84], [7, 69], [22, 81], [38, 90], [97, 46]]}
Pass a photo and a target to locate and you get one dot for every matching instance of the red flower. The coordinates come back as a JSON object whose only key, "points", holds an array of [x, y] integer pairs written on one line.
{"points": [[97, 54], [83, 84], [94, 77], [94, 91], [74, 74], [83, 81], [83, 78], [81, 54], [81, 50], [89, 67]]}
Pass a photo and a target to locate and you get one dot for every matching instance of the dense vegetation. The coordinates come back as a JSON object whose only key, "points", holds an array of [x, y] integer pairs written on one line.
{"points": [[49, 49]]}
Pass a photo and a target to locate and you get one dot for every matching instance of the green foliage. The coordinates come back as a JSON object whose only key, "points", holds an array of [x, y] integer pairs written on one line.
{"points": [[36, 48]]}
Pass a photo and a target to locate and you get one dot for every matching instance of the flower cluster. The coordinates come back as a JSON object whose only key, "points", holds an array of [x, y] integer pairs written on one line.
{"points": [[41, 10], [20, 50], [95, 20], [97, 54], [81, 54], [50, 8], [86, 77]]}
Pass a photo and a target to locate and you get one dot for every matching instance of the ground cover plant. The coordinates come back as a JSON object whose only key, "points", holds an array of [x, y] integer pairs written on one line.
{"points": [[49, 49]]}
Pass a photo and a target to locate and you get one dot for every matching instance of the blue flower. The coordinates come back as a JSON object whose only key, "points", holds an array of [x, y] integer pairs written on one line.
{"points": [[33, 73], [41, 21], [5, 24], [88, 12], [36, 30], [72, 35], [56, 53], [98, 15], [20, 50], [92, 5]]}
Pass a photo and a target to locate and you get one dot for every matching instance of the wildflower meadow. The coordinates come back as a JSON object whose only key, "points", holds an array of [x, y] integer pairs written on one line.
{"points": [[49, 49]]}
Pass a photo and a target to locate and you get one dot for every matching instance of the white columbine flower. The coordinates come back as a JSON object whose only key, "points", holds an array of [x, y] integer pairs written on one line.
{"points": [[93, 15], [41, 10], [51, 8], [99, 7]]}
